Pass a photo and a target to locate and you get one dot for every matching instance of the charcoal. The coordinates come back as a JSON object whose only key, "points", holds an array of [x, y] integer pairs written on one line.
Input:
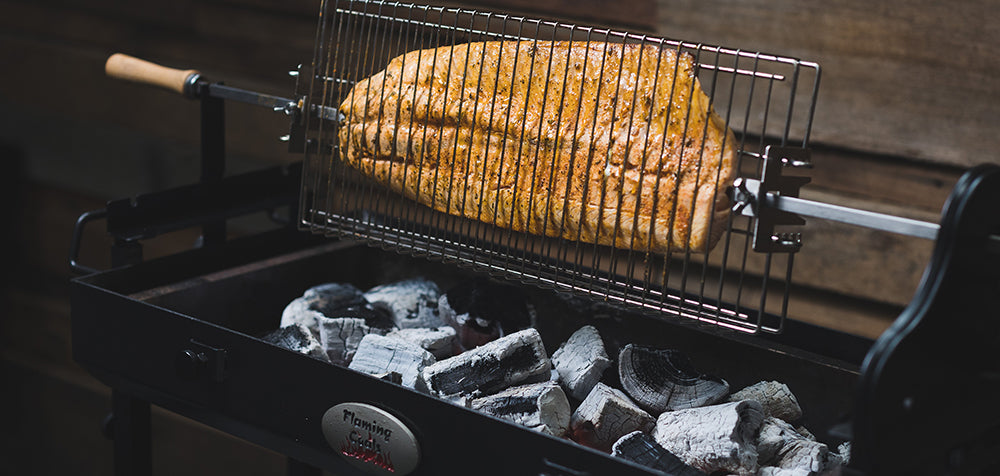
{"points": [[341, 336], [298, 338], [664, 380], [391, 377], [334, 296], [298, 312], [774, 435], [439, 341], [775, 397], [374, 316], [807, 455], [844, 452], [320, 301], [482, 311], [581, 361], [380, 355], [805, 432], [713, 438], [606, 415], [541, 406], [775, 471], [512, 360], [638, 447], [412, 302]]}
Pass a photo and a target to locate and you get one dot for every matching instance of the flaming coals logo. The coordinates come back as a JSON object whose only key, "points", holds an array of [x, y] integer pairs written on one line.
{"points": [[367, 450], [371, 439]]}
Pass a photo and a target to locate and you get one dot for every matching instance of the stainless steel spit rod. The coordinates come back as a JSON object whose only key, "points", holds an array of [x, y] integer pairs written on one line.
{"points": [[853, 216], [750, 200]]}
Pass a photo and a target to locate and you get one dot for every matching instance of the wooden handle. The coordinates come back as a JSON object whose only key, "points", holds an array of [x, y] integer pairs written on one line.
{"points": [[129, 68]]}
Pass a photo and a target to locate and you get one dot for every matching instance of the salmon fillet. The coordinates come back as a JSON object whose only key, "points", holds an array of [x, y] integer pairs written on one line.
{"points": [[607, 143]]}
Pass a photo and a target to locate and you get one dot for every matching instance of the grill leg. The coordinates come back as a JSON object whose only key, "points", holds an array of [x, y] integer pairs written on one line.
{"points": [[298, 468], [131, 432]]}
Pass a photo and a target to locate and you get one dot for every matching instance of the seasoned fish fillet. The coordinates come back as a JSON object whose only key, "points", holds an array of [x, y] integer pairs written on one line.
{"points": [[607, 143]]}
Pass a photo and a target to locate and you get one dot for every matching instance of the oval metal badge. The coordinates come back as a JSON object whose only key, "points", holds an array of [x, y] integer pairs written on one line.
{"points": [[371, 438]]}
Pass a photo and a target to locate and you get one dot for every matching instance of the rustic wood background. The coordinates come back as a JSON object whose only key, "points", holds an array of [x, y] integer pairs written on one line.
{"points": [[909, 97]]}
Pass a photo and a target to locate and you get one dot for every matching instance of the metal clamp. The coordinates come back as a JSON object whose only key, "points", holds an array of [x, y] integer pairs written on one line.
{"points": [[751, 197], [773, 200]]}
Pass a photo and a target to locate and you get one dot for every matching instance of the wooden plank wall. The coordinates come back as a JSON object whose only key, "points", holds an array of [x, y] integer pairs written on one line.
{"points": [[908, 98]]}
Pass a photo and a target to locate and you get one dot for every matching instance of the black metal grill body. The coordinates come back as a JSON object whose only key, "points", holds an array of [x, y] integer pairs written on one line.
{"points": [[132, 327]]}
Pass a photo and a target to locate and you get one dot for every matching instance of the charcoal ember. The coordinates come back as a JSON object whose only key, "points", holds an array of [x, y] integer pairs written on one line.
{"points": [[713, 438], [439, 341], [775, 397], [581, 361], [844, 452], [774, 435], [807, 455], [334, 295], [775, 471], [518, 358], [542, 407], [481, 311], [805, 432], [341, 336], [640, 448], [320, 301], [606, 415], [413, 302], [374, 316], [382, 355], [665, 380], [298, 338]]}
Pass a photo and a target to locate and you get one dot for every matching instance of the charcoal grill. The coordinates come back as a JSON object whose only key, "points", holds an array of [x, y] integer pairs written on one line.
{"points": [[727, 308]]}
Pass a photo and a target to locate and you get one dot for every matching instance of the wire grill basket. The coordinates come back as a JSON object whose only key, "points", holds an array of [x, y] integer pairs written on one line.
{"points": [[758, 96]]}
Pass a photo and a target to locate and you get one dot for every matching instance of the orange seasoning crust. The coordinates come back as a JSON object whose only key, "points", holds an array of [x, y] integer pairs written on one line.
{"points": [[607, 143]]}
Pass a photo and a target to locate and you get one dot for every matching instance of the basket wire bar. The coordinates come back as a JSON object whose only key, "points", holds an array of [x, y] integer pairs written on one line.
{"points": [[754, 93]]}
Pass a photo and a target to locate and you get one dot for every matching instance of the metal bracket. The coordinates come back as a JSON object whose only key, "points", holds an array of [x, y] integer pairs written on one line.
{"points": [[773, 200], [198, 360], [750, 195]]}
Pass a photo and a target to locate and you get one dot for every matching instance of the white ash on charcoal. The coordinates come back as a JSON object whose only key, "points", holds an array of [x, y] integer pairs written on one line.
{"points": [[319, 300], [542, 407], [664, 380], [844, 452], [775, 471], [298, 338], [606, 415], [413, 302], [775, 397], [338, 315], [381, 356], [581, 361], [439, 341], [518, 358], [640, 448], [341, 335], [807, 455], [482, 311], [774, 435], [713, 438], [780, 446]]}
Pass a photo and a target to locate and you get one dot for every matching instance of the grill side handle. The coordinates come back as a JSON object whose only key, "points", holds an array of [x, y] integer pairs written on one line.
{"points": [[926, 401], [130, 68]]}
